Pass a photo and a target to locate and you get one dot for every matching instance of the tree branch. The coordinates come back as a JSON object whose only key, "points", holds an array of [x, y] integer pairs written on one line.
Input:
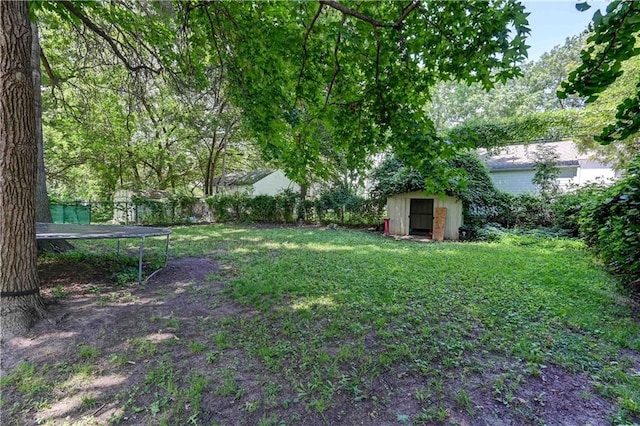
{"points": [[397, 25], [405, 12], [110, 41], [347, 11], [47, 68], [304, 48], [336, 69]]}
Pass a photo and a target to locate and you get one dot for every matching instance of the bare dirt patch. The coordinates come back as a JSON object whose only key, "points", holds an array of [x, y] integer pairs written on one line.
{"points": [[144, 354]]}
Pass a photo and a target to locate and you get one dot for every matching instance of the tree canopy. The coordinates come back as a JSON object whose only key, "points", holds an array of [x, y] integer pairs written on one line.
{"points": [[353, 77], [613, 40]]}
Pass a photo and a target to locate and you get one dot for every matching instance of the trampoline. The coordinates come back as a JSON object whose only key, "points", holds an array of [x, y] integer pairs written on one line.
{"points": [[58, 231]]}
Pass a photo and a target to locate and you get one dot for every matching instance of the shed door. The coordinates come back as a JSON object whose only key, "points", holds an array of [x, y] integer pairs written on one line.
{"points": [[420, 216]]}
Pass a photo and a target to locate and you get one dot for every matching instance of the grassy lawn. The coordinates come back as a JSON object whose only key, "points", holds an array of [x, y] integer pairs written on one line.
{"points": [[336, 318]]}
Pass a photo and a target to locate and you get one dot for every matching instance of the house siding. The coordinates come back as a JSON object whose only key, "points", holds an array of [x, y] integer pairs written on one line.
{"points": [[521, 181], [512, 167], [513, 181], [398, 208], [273, 184]]}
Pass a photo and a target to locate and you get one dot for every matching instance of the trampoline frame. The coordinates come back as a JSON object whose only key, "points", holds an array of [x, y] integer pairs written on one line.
{"points": [[59, 231]]}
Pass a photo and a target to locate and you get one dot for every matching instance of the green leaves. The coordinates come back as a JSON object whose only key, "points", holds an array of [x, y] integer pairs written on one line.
{"points": [[353, 80], [613, 42], [583, 6]]}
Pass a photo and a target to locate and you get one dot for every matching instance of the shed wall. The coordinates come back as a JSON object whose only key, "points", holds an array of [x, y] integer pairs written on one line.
{"points": [[399, 205]]}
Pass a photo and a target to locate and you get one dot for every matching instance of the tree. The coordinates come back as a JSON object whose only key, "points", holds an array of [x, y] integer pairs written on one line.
{"points": [[612, 42], [21, 302], [601, 114], [453, 103], [546, 171]]}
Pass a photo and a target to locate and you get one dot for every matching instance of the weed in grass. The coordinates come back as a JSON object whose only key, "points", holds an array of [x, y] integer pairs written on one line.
{"points": [[222, 340], [172, 324], [142, 347], [213, 277], [88, 401], [403, 419], [270, 391], [163, 376], [197, 385], [464, 401], [84, 370], [126, 277], [197, 347], [422, 394], [271, 420], [28, 378], [319, 404], [212, 356], [88, 351], [118, 359], [251, 406], [505, 387], [228, 386], [115, 297]]}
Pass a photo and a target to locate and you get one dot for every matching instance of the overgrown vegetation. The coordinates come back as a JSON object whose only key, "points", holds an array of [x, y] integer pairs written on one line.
{"points": [[609, 219]]}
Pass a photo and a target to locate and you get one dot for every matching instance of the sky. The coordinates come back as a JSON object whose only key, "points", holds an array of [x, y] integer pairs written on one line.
{"points": [[552, 21]]}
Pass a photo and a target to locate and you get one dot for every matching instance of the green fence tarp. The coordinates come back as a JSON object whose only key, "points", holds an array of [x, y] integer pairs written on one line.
{"points": [[71, 213]]}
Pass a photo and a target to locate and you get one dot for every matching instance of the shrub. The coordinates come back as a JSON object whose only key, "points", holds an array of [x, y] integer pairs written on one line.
{"points": [[287, 203], [566, 207], [228, 207], [263, 208], [340, 204], [610, 223], [530, 211]]}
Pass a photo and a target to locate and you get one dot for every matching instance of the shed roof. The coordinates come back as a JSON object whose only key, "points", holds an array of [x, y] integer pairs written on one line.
{"points": [[523, 156], [243, 178]]}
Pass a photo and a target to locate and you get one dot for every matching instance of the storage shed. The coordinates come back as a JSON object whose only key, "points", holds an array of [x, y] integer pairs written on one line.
{"points": [[414, 213]]}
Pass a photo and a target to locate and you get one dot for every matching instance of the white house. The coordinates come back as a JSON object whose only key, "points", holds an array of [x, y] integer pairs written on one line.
{"points": [[512, 167], [256, 182]]}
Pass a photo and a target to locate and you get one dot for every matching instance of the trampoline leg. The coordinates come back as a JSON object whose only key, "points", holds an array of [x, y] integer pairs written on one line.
{"points": [[118, 247], [140, 260], [166, 252]]}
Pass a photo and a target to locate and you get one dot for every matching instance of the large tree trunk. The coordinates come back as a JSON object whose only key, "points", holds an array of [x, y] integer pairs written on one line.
{"points": [[20, 301], [43, 209]]}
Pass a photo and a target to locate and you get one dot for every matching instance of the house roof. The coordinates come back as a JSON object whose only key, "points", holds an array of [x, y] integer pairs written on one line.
{"points": [[523, 156], [243, 178]]}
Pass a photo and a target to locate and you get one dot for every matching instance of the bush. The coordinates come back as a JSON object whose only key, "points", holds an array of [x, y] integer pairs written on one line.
{"points": [[610, 223], [530, 211], [482, 202], [261, 208], [228, 207], [287, 203], [341, 205], [566, 207]]}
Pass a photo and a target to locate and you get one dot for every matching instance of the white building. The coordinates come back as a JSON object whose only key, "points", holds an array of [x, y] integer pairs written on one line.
{"points": [[257, 182], [512, 167]]}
